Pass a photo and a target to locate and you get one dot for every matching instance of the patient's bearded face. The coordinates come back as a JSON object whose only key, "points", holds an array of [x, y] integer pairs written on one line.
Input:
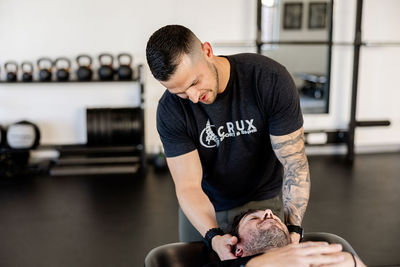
{"points": [[260, 231]]}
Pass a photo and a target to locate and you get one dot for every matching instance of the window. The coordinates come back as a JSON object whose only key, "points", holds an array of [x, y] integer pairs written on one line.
{"points": [[270, 23]]}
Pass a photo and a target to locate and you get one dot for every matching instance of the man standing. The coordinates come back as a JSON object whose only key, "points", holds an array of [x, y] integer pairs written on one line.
{"points": [[231, 127]]}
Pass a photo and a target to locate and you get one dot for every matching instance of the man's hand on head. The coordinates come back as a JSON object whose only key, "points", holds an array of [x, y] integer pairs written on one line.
{"points": [[222, 245], [295, 238]]}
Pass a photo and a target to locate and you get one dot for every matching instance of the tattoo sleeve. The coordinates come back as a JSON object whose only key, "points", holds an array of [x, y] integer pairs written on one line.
{"points": [[290, 151]]}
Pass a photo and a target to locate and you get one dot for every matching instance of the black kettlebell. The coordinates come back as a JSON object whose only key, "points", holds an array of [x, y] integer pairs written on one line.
{"points": [[125, 71], [27, 73], [45, 73], [84, 72], [11, 74], [62, 73], [106, 71], [160, 163]]}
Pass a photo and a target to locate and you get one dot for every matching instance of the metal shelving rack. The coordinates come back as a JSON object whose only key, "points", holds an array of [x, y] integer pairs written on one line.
{"points": [[82, 159]]}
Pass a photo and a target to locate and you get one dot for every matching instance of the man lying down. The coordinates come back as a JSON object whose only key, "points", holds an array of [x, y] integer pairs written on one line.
{"points": [[264, 241]]}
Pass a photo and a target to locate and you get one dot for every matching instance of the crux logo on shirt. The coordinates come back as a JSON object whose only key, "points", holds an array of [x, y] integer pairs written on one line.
{"points": [[212, 137]]}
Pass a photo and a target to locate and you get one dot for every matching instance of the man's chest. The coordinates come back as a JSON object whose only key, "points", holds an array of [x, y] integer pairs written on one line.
{"points": [[233, 122]]}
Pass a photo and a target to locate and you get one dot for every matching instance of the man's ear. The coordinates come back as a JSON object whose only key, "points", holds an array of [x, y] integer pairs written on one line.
{"points": [[239, 250], [207, 50]]}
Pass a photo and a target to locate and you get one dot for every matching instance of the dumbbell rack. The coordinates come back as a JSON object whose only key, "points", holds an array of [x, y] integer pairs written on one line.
{"points": [[84, 159]]}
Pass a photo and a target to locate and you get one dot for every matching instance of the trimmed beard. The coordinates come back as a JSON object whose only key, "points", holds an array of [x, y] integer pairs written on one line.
{"points": [[213, 69], [262, 240]]}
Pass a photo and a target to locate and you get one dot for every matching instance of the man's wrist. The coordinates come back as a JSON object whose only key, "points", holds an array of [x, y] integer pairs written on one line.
{"points": [[211, 233], [295, 229]]}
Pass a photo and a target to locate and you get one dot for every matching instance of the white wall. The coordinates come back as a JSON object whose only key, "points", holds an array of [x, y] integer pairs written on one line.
{"points": [[31, 29], [379, 93]]}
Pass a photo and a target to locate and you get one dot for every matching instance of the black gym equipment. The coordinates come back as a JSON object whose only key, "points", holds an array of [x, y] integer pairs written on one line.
{"points": [[62, 73], [27, 74], [2, 136], [11, 72], [106, 71], [314, 84], [114, 126], [160, 162], [14, 163], [125, 70], [23, 135], [84, 72], [45, 73]]}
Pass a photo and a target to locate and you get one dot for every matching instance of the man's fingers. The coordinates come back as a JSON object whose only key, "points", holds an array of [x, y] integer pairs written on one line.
{"points": [[228, 255], [311, 244], [325, 259], [223, 246], [233, 240], [321, 249]]}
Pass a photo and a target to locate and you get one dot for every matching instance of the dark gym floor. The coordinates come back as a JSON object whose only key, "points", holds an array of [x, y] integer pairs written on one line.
{"points": [[114, 221]]}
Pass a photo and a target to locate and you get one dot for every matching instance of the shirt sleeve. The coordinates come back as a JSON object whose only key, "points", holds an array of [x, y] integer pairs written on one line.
{"points": [[283, 105], [172, 128]]}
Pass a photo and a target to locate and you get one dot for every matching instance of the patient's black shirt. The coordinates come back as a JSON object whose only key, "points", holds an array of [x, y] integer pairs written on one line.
{"points": [[232, 135], [239, 262]]}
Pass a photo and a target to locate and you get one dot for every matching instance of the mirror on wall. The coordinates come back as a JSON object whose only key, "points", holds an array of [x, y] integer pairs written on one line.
{"points": [[298, 35]]}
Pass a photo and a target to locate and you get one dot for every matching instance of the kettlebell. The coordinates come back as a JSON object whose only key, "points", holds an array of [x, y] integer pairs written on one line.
{"points": [[160, 163], [27, 73], [125, 71], [11, 74], [84, 72], [23, 135], [62, 73], [45, 73], [106, 71]]}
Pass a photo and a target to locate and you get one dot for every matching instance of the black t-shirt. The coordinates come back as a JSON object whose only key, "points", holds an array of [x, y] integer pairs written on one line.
{"points": [[232, 134], [239, 262]]}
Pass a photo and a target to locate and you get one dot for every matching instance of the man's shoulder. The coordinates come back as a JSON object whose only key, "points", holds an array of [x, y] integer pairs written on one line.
{"points": [[168, 98], [171, 106], [256, 60]]}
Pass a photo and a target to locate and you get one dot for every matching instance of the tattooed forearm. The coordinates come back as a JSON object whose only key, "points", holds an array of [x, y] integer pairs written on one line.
{"points": [[290, 151]]}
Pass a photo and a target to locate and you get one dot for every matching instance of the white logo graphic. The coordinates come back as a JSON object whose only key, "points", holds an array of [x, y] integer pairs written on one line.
{"points": [[209, 139]]}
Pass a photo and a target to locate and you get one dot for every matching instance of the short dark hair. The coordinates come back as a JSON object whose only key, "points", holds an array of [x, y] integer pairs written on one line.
{"points": [[164, 48]]}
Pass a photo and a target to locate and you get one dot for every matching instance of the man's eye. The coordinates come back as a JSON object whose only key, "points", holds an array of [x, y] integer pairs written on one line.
{"points": [[253, 218]]}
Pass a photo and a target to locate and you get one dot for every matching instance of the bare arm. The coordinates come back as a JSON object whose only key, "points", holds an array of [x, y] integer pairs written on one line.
{"points": [[187, 174], [290, 151]]}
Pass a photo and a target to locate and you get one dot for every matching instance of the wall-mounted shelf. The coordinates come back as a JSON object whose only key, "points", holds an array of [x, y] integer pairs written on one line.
{"points": [[81, 158], [136, 78]]}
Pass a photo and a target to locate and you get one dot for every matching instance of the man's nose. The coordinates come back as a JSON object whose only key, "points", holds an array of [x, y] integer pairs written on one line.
{"points": [[267, 214], [193, 94]]}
